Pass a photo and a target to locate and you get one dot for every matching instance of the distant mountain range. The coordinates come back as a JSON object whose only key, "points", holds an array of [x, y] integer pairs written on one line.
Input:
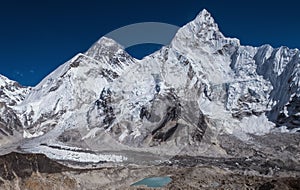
{"points": [[174, 101]]}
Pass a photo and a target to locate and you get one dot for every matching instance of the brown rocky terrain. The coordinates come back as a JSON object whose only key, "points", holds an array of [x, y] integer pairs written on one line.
{"points": [[37, 172]]}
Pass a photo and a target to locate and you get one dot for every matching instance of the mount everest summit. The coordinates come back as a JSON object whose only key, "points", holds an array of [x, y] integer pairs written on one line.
{"points": [[177, 100]]}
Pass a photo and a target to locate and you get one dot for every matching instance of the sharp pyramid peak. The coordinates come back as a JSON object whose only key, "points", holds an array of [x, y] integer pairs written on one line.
{"points": [[205, 18], [204, 13]]}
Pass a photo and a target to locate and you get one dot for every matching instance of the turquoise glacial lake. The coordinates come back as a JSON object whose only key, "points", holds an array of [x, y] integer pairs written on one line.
{"points": [[154, 181]]}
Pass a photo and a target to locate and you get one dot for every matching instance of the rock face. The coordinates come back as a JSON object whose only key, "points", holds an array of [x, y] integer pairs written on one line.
{"points": [[23, 165], [33, 171], [9, 121], [174, 101]]}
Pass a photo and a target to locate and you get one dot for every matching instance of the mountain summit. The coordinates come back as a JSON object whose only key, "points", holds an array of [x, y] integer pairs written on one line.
{"points": [[176, 101]]}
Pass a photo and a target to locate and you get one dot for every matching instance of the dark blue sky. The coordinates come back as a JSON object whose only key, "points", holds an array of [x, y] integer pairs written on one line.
{"points": [[37, 36]]}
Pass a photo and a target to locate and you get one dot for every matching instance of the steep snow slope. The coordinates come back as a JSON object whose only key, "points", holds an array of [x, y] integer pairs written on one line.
{"points": [[281, 67]]}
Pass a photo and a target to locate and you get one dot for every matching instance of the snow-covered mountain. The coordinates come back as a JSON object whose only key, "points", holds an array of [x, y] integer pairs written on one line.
{"points": [[176, 100], [11, 94], [68, 92]]}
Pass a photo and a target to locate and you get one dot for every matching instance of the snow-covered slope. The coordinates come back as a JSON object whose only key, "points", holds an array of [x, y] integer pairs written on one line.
{"points": [[184, 95]]}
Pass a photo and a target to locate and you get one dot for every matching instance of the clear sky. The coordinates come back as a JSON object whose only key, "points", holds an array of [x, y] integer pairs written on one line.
{"points": [[37, 36]]}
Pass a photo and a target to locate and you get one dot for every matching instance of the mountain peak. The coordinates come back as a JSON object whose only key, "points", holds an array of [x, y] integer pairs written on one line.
{"points": [[103, 46], [205, 20], [204, 11], [205, 17], [11, 91], [204, 33], [108, 42]]}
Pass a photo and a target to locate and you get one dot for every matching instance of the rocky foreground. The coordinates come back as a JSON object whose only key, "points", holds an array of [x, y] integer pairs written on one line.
{"points": [[40, 173], [256, 168]]}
